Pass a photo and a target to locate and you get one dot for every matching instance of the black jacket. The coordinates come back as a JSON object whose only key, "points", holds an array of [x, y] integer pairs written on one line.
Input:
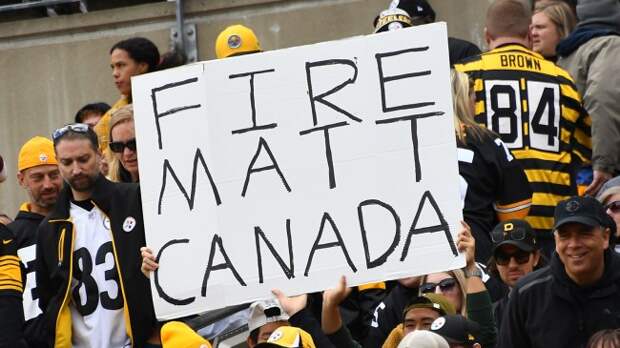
{"points": [[388, 314], [55, 254], [24, 227], [547, 309]]}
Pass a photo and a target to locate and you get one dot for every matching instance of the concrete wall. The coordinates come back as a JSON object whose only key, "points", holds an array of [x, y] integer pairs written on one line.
{"points": [[50, 67]]}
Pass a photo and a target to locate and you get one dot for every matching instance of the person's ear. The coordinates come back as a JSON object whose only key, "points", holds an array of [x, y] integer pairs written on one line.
{"points": [[20, 179], [142, 68], [606, 233], [487, 37], [536, 256]]}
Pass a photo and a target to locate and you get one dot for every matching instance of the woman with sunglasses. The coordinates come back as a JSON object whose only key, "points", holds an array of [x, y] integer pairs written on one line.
{"points": [[611, 200], [124, 165], [515, 254], [464, 289]]}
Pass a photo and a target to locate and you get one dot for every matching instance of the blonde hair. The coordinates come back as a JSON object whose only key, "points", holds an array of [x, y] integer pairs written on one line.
{"points": [[122, 115], [560, 14], [460, 279], [464, 123]]}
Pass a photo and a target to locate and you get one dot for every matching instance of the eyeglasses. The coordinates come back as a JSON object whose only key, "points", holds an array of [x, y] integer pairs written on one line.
{"points": [[516, 233], [520, 256], [119, 146], [444, 286], [614, 207], [76, 127]]}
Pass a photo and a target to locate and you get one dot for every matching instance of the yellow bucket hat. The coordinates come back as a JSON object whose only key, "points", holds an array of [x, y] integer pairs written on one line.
{"points": [[176, 334], [288, 337]]}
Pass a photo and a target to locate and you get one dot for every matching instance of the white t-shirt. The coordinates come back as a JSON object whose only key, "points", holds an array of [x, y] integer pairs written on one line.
{"points": [[96, 298]]}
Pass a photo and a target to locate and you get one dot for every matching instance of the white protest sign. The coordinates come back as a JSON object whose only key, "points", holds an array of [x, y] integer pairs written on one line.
{"points": [[289, 168]]}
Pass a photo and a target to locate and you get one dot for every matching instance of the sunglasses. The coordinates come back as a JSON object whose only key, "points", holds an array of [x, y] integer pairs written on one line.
{"points": [[614, 207], [76, 127], [444, 286], [520, 256], [119, 146]]}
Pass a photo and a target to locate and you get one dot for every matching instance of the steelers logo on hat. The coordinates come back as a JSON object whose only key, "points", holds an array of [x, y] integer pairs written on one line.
{"points": [[43, 157], [234, 41], [572, 206], [438, 323], [276, 335]]}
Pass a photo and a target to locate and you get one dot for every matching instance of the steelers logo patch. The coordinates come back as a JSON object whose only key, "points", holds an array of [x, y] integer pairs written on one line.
{"points": [[129, 224], [234, 41], [106, 223], [276, 335], [572, 206], [394, 26], [43, 158], [438, 323]]}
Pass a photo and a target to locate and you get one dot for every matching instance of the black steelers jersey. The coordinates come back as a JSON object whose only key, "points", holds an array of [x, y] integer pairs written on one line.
{"points": [[493, 188], [535, 108]]}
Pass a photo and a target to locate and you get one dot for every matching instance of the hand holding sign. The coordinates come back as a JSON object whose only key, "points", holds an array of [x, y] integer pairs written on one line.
{"points": [[289, 168]]}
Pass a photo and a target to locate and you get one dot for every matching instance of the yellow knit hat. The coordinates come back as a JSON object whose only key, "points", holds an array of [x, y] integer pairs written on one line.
{"points": [[234, 40], [35, 152], [176, 334], [288, 337]]}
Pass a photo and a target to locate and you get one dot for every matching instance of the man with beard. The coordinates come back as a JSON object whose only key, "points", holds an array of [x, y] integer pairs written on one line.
{"points": [[91, 290], [38, 174]]}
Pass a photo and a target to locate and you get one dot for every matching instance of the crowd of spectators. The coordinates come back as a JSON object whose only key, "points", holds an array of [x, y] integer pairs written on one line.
{"points": [[537, 127]]}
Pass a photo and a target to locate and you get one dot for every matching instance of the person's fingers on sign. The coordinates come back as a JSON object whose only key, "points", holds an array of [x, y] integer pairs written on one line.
{"points": [[293, 304], [466, 243], [148, 262], [336, 295]]}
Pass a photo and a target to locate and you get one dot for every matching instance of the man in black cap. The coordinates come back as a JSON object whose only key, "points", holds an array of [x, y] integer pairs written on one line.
{"points": [[407, 13], [515, 254], [459, 331], [577, 295]]}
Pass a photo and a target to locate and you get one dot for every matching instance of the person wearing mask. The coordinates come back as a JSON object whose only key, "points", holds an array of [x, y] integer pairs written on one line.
{"points": [[124, 165], [590, 54], [564, 304], [535, 108], [515, 254], [87, 300], [552, 22], [39, 176]]}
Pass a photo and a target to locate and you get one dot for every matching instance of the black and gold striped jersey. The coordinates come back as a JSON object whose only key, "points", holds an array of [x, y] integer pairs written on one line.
{"points": [[11, 282], [535, 108]]}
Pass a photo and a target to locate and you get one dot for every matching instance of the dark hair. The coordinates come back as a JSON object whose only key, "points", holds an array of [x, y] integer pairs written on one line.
{"points": [[508, 18], [172, 59], [90, 135], [141, 50], [99, 108], [254, 335], [609, 338]]}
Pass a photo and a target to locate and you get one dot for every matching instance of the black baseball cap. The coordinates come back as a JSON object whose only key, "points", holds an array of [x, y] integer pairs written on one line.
{"points": [[514, 232], [456, 329], [415, 9], [584, 210]]}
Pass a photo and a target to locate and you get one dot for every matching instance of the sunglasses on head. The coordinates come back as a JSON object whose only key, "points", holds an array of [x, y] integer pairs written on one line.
{"points": [[119, 146], [614, 207], [444, 286], [76, 127], [521, 256], [515, 234]]}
